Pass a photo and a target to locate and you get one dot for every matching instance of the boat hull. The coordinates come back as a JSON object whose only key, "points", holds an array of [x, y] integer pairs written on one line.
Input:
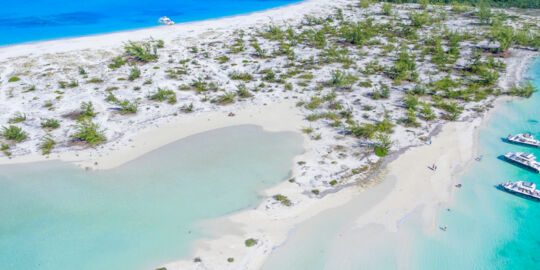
{"points": [[521, 165], [529, 197]]}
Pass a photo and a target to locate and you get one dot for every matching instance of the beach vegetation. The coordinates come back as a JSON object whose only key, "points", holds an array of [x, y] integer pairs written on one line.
{"points": [[315, 191], [404, 67], [426, 112], [242, 91], [484, 12], [244, 76], [382, 145], [89, 132], [95, 80], [410, 119], [224, 99], [524, 90], [341, 79], [17, 118], [365, 3], [82, 71], [127, 107], [134, 73], [50, 123], [187, 108], [250, 242], [164, 94], [117, 62], [14, 133], [282, 199], [4, 147], [87, 110], [47, 144], [387, 9], [453, 110], [142, 51], [14, 79]]}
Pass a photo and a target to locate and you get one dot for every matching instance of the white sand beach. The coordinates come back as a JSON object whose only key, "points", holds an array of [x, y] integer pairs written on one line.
{"points": [[330, 153]]}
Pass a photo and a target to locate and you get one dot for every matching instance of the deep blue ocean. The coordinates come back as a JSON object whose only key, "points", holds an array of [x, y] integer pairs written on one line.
{"points": [[35, 20]]}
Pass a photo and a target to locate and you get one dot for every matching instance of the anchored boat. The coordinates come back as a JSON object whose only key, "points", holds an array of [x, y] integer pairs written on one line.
{"points": [[527, 160], [525, 138], [527, 189], [165, 20]]}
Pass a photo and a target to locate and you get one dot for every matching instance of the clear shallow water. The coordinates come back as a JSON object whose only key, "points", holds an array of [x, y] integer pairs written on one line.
{"points": [[48, 19], [487, 228], [140, 215]]}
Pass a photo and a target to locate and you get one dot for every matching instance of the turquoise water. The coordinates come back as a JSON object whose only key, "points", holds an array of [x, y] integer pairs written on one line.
{"points": [[48, 19], [142, 214], [487, 228]]}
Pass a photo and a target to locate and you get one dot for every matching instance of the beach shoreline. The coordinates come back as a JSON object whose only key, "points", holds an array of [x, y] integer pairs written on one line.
{"points": [[271, 222], [410, 170]]}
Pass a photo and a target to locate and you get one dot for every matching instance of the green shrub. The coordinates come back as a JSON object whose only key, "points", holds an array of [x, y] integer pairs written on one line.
{"points": [[525, 90], [164, 94], [241, 76], [47, 144], [117, 62], [50, 123], [250, 242], [87, 110], [230, 259], [14, 133], [142, 51], [134, 73], [89, 132], [383, 145], [17, 118], [283, 199], [14, 79]]}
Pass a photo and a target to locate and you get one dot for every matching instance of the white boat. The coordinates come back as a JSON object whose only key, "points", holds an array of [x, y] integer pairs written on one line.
{"points": [[525, 159], [165, 20], [525, 138], [527, 189]]}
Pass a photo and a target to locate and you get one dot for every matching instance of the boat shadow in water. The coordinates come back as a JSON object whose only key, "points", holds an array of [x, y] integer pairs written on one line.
{"points": [[518, 144], [516, 194], [501, 157]]}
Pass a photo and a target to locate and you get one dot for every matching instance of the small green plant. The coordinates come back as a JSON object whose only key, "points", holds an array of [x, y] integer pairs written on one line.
{"points": [[525, 90], [89, 132], [17, 118], [142, 51], [241, 76], [14, 79], [47, 144], [164, 94], [315, 191], [87, 110], [387, 9], [134, 73], [14, 133], [230, 259], [283, 199], [117, 62], [250, 242], [50, 123], [383, 145]]}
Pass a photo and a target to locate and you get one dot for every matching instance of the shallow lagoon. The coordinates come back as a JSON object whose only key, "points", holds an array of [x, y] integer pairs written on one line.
{"points": [[142, 214]]}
